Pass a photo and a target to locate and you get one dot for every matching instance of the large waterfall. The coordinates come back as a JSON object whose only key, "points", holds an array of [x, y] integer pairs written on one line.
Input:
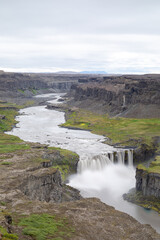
{"points": [[98, 162]]}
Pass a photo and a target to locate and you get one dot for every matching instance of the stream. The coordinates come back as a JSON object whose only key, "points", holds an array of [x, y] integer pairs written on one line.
{"points": [[97, 174]]}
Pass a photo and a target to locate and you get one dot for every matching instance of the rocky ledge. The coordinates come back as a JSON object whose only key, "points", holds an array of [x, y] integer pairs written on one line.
{"points": [[148, 183], [127, 95], [46, 185], [147, 192]]}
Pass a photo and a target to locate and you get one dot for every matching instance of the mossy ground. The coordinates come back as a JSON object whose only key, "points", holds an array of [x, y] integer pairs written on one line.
{"points": [[117, 129], [45, 226], [6, 235], [154, 166], [16, 155], [9, 143], [67, 163]]}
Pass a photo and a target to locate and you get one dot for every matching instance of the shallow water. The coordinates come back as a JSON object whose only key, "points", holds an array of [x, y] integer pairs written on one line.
{"points": [[38, 124]]}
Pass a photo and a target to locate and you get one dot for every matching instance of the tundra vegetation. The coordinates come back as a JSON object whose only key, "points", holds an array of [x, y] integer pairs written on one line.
{"points": [[37, 226], [118, 129]]}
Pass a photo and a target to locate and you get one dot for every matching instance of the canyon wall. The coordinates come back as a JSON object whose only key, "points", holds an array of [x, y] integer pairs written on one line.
{"points": [[127, 95], [148, 183], [45, 184]]}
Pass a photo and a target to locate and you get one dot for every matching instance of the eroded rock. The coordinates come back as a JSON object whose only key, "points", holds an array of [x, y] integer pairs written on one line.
{"points": [[45, 184]]}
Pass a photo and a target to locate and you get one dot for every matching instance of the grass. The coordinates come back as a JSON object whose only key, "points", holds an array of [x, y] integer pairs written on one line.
{"points": [[21, 91], [9, 143], [6, 163], [65, 160], [64, 170], [154, 166], [6, 235], [45, 226], [9, 121], [117, 129]]}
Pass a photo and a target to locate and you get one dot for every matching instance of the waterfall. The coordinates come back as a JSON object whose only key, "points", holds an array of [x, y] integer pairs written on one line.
{"points": [[130, 157], [98, 162]]}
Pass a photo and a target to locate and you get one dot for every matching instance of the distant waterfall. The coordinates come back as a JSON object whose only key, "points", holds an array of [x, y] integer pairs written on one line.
{"points": [[98, 162]]}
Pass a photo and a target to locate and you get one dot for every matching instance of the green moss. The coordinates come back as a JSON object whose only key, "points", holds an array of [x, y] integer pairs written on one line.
{"points": [[20, 90], [64, 169], [65, 160], [154, 166], [7, 236], [10, 143], [45, 226], [33, 90], [64, 152], [6, 163], [7, 148], [9, 121], [117, 129], [28, 104], [2, 203]]}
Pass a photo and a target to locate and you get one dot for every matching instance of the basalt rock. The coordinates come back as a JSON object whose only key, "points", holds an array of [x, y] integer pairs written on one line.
{"points": [[127, 95], [45, 184], [143, 152], [148, 183]]}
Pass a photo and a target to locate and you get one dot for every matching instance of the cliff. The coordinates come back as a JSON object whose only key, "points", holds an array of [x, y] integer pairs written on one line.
{"points": [[147, 192], [46, 185], [127, 95], [148, 183], [148, 179]]}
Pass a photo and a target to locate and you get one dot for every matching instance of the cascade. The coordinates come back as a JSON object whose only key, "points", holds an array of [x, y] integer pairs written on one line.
{"points": [[130, 157], [98, 162]]}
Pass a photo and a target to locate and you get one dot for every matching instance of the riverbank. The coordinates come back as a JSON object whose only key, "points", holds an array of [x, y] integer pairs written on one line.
{"points": [[147, 192], [72, 221], [139, 134]]}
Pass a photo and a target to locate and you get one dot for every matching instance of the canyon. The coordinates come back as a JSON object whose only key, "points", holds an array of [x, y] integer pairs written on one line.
{"points": [[41, 183]]}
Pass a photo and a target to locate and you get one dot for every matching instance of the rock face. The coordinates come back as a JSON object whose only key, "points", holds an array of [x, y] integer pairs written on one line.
{"points": [[143, 152], [148, 183], [129, 95], [46, 185], [24, 81]]}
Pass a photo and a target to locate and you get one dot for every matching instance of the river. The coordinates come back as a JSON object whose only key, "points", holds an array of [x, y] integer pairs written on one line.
{"points": [[97, 175]]}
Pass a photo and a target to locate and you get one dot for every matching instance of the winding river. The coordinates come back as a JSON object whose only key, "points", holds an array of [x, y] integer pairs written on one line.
{"points": [[98, 176]]}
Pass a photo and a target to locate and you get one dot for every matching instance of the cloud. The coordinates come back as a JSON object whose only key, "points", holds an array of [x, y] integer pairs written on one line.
{"points": [[117, 35]]}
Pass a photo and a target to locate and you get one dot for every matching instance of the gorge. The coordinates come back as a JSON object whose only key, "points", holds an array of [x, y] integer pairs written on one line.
{"points": [[109, 183], [33, 173]]}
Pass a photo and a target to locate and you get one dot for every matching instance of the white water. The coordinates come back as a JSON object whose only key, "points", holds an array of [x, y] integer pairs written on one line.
{"points": [[97, 175]]}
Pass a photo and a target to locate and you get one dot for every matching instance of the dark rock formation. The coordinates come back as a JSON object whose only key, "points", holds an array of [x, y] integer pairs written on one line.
{"points": [[148, 183], [143, 152], [56, 159], [45, 184], [30, 81], [128, 95]]}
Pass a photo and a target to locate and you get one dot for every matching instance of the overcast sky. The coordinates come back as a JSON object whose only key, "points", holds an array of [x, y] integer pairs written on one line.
{"points": [[116, 36]]}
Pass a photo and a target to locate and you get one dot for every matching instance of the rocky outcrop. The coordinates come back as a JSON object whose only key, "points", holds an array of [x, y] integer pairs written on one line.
{"points": [[148, 183], [46, 185], [143, 152], [56, 158], [127, 95], [30, 81]]}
